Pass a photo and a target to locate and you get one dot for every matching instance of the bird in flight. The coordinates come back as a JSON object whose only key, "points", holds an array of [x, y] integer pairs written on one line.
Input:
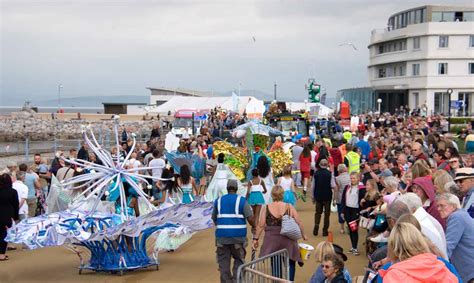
{"points": [[349, 44]]}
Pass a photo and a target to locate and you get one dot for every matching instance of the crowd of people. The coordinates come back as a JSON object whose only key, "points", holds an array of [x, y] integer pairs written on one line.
{"points": [[401, 179]]}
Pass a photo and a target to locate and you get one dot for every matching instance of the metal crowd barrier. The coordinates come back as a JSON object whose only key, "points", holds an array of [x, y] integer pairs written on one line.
{"points": [[270, 268]]}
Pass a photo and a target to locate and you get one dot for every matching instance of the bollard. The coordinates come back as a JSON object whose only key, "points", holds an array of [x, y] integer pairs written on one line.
{"points": [[330, 237]]}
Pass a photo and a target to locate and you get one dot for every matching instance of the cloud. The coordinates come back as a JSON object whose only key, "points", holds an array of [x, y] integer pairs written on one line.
{"points": [[121, 47]]}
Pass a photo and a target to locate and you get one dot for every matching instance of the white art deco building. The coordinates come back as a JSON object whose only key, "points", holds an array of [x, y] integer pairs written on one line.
{"points": [[421, 54]]}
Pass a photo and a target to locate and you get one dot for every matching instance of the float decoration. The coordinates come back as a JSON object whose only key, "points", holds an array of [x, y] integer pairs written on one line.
{"points": [[116, 242]]}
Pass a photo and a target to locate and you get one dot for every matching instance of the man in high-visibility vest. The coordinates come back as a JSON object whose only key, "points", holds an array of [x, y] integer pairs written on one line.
{"points": [[230, 215], [352, 159]]}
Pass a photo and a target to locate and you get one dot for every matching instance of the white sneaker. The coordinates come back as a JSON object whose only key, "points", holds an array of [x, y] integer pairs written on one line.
{"points": [[380, 238]]}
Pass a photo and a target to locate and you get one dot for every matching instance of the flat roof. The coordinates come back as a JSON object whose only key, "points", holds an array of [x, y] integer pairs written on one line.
{"points": [[124, 103], [189, 92]]}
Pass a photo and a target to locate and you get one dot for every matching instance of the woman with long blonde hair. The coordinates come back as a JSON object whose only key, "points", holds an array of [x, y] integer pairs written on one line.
{"points": [[413, 261]]}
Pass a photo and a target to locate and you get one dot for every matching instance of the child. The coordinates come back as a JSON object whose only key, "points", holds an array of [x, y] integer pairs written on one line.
{"points": [[255, 194], [287, 183]]}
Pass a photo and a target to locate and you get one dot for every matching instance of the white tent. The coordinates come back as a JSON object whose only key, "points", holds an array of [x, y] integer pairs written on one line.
{"points": [[249, 104]]}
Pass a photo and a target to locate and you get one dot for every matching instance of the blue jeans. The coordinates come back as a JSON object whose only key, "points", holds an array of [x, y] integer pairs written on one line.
{"points": [[339, 212], [277, 269]]}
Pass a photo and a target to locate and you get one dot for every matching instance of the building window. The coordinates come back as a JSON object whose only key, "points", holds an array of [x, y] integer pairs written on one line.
{"points": [[442, 68], [382, 73], [441, 102], [471, 41], [436, 16], [471, 68], [468, 17], [380, 49], [417, 16], [416, 95], [401, 71], [443, 41], [415, 69], [416, 42]]}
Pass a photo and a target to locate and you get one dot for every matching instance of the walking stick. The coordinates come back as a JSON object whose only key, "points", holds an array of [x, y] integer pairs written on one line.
{"points": [[254, 251]]}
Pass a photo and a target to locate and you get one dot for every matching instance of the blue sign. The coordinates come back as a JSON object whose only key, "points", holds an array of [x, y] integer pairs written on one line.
{"points": [[457, 104], [200, 118]]}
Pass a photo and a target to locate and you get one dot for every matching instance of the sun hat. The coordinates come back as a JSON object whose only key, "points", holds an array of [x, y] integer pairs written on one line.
{"points": [[464, 173], [323, 163]]}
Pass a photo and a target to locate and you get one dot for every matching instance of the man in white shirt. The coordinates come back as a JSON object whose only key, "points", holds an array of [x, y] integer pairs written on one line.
{"points": [[22, 191], [430, 227]]}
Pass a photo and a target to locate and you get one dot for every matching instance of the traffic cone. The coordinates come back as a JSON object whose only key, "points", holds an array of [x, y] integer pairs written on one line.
{"points": [[330, 237]]}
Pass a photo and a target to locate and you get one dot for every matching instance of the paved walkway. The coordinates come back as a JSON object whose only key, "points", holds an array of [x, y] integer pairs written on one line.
{"points": [[193, 262]]}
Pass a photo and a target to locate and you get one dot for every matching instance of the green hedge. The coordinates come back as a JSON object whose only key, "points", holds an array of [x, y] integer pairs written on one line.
{"points": [[460, 120], [457, 128]]}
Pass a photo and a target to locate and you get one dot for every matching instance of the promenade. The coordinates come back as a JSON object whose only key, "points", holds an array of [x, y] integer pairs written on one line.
{"points": [[195, 261]]}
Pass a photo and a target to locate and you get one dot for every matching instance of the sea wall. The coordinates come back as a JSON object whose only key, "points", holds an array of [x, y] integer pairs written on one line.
{"points": [[39, 128]]}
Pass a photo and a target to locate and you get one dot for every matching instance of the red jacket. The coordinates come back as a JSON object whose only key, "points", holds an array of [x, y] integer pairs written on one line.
{"points": [[305, 163]]}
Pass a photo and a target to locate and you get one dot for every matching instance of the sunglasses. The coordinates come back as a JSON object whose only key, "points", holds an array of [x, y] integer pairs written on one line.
{"points": [[326, 266]]}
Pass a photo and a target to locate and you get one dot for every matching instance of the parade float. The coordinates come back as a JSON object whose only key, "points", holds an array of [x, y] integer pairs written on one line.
{"points": [[256, 139], [115, 240]]}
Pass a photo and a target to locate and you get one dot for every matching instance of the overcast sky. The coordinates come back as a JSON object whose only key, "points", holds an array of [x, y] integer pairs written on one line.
{"points": [[117, 47]]}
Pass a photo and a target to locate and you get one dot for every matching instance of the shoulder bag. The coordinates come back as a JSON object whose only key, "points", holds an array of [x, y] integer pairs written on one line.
{"points": [[289, 227]]}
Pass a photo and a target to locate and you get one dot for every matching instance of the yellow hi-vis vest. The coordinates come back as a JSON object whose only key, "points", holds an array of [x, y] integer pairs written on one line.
{"points": [[354, 162], [347, 135]]}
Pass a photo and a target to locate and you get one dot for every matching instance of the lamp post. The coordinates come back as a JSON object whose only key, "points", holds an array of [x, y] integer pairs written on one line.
{"points": [[275, 91], [379, 101], [449, 91], [60, 86]]}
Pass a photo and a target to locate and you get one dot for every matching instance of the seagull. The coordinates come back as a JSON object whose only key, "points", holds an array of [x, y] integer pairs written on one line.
{"points": [[350, 44]]}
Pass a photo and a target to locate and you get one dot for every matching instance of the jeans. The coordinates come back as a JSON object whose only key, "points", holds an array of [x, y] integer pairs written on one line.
{"points": [[224, 254], [320, 205], [277, 268], [339, 212]]}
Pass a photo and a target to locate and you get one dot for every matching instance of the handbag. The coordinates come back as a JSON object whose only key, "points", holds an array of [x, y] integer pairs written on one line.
{"points": [[289, 227], [380, 224], [366, 223]]}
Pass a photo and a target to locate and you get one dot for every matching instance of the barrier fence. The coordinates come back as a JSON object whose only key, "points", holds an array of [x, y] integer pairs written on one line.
{"points": [[270, 268]]}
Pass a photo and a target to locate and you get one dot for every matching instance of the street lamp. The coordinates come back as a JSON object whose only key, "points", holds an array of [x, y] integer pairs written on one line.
{"points": [[449, 91], [59, 97], [379, 101]]}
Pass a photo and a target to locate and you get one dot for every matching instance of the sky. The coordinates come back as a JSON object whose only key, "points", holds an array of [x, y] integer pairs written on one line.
{"points": [[121, 47]]}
